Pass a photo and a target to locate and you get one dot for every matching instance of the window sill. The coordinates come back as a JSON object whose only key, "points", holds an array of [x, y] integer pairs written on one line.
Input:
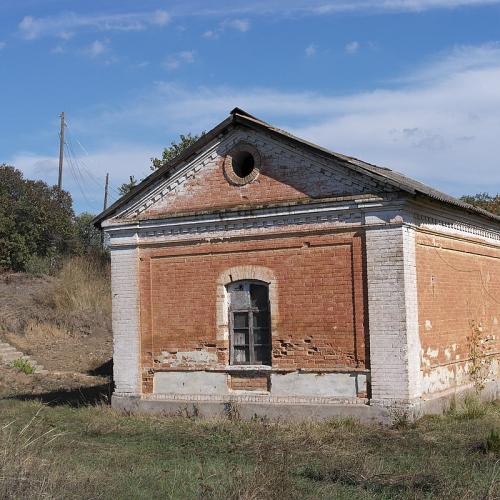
{"points": [[248, 368]]}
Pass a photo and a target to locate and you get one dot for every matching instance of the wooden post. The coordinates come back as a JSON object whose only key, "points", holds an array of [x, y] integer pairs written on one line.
{"points": [[106, 192], [61, 152], [105, 205]]}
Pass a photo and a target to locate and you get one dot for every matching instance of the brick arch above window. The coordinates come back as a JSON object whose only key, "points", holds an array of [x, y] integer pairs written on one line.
{"points": [[240, 273]]}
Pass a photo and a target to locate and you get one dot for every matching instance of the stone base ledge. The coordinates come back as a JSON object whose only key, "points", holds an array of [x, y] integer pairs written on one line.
{"points": [[265, 406], [246, 409]]}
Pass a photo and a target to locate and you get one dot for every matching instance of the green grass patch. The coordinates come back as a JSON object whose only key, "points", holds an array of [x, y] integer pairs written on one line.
{"points": [[97, 452], [23, 365]]}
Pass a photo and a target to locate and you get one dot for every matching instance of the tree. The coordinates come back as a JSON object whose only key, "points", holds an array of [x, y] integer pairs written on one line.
{"points": [[35, 220], [88, 237], [127, 186], [484, 201], [174, 150]]}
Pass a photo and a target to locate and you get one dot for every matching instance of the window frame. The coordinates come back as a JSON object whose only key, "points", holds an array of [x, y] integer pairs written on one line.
{"points": [[250, 311]]}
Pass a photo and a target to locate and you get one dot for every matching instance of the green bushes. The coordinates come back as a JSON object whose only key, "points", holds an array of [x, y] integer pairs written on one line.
{"points": [[38, 226]]}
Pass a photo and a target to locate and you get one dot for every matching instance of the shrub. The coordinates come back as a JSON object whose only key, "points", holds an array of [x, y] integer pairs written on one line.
{"points": [[23, 365], [40, 266], [35, 220]]}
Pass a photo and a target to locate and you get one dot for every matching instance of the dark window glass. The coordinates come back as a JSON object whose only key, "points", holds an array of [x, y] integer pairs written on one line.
{"points": [[259, 297], [240, 320]]}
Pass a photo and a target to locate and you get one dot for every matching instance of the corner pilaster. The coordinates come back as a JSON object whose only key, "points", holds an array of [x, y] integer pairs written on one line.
{"points": [[393, 314], [126, 328]]}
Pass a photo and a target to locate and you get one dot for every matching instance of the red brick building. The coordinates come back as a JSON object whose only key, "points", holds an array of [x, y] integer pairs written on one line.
{"points": [[262, 271]]}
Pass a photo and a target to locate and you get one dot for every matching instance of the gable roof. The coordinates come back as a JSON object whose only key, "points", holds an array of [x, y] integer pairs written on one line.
{"points": [[240, 117]]}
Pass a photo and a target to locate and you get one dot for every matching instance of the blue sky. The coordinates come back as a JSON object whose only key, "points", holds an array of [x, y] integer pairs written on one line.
{"points": [[409, 84]]}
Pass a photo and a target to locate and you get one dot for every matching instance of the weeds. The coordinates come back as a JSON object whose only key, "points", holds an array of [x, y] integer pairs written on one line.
{"points": [[493, 441], [480, 364], [23, 365], [470, 408], [23, 471]]}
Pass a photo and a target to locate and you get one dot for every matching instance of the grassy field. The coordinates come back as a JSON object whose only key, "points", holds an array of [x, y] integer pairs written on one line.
{"points": [[95, 452]]}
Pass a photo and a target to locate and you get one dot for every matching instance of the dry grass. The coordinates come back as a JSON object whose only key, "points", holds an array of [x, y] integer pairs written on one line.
{"points": [[82, 289]]}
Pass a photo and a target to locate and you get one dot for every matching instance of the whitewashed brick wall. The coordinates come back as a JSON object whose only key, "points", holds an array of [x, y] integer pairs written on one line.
{"points": [[393, 313], [126, 346]]}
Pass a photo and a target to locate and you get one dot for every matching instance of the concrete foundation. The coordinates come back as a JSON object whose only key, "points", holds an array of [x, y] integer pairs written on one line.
{"points": [[248, 410], [247, 406]]}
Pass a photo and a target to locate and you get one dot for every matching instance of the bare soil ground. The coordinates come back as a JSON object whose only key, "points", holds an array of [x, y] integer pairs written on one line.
{"points": [[28, 323], [76, 350]]}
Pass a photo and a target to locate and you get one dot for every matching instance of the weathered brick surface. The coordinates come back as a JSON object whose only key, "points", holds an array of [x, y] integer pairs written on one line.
{"points": [[286, 174], [320, 316], [458, 286], [249, 382]]}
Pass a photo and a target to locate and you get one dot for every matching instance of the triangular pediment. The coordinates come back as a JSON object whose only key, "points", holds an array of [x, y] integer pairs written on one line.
{"points": [[285, 173]]}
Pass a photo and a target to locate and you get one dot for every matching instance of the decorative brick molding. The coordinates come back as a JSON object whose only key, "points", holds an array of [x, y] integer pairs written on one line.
{"points": [[231, 176], [244, 273], [441, 224]]}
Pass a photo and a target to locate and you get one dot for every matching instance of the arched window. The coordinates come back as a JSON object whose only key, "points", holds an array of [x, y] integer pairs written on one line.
{"points": [[249, 323]]}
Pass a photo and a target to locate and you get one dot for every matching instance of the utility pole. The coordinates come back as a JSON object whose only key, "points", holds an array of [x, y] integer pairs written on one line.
{"points": [[61, 151], [105, 205], [106, 184]]}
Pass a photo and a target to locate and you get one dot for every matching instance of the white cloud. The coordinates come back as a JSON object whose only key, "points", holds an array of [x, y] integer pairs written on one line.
{"points": [[66, 35], [160, 18], [286, 8], [61, 25], [59, 49], [175, 61], [86, 183], [310, 50], [352, 47], [241, 25], [3, 45], [211, 34], [96, 48]]}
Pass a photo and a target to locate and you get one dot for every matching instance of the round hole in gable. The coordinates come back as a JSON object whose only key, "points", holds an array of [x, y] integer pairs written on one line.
{"points": [[243, 164]]}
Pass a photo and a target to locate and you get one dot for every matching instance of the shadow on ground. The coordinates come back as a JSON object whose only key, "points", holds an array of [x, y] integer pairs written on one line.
{"points": [[81, 396], [104, 370]]}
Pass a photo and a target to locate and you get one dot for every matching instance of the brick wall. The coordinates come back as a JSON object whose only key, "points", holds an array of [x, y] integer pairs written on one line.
{"points": [[319, 321], [458, 286], [248, 382]]}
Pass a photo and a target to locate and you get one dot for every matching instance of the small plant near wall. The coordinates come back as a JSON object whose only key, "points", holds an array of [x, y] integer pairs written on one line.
{"points": [[478, 351], [493, 442], [23, 365]]}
